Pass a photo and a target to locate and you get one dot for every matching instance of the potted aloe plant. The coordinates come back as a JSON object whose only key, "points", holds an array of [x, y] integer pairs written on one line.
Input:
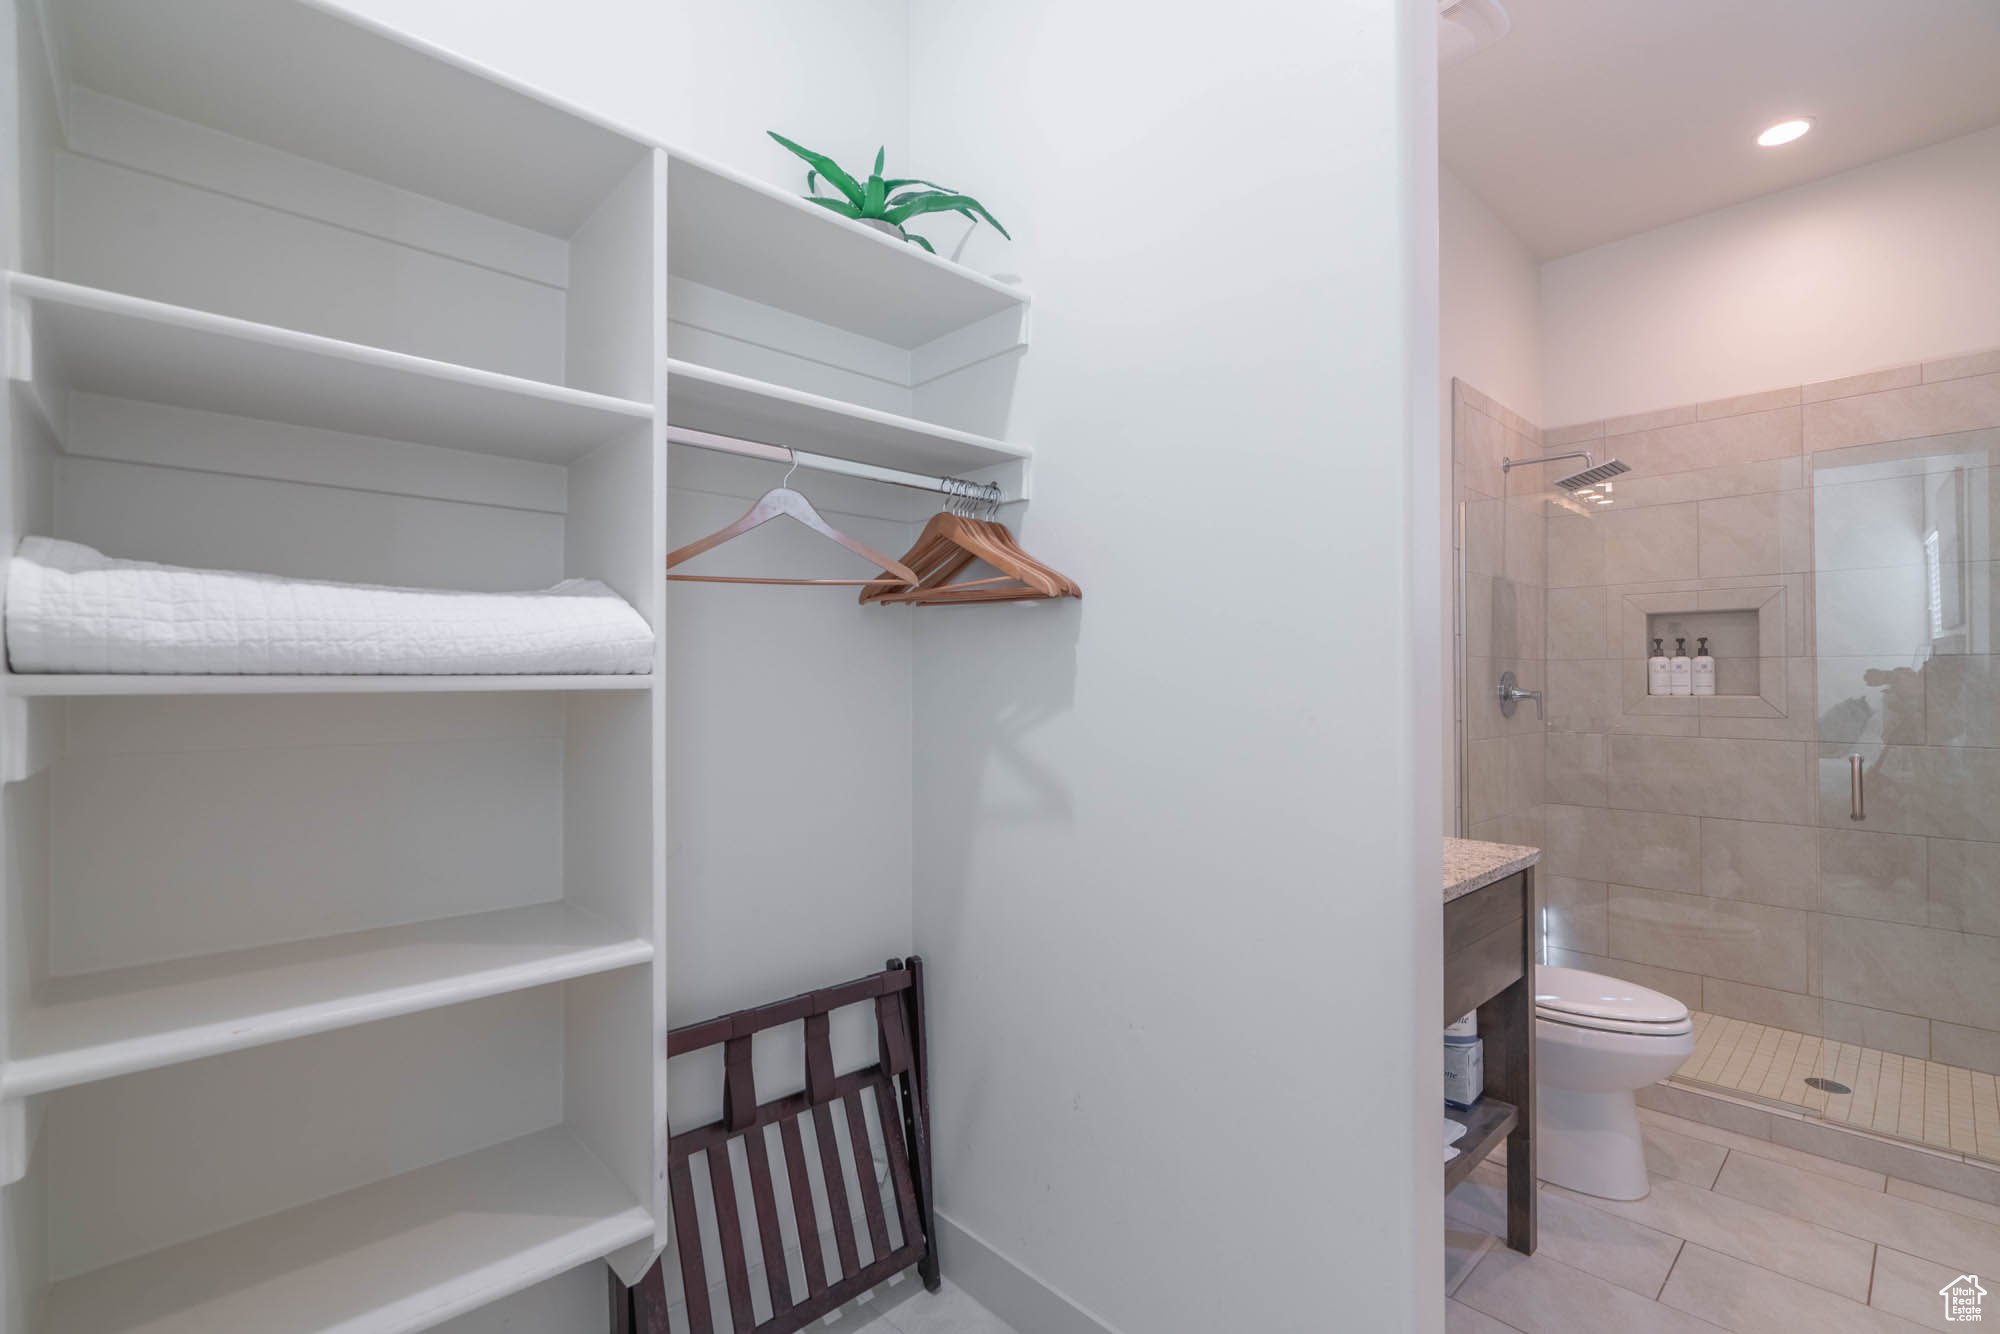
{"points": [[883, 204]]}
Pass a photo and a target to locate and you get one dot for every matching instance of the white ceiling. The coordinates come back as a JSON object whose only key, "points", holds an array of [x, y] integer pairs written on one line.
{"points": [[1596, 119]]}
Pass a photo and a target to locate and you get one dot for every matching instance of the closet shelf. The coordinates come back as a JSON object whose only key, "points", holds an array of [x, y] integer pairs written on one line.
{"points": [[112, 1023], [88, 683], [705, 399], [129, 347], [772, 247], [399, 1255]]}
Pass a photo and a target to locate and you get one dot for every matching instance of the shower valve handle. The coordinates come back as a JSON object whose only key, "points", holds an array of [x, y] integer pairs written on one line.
{"points": [[1511, 694]]}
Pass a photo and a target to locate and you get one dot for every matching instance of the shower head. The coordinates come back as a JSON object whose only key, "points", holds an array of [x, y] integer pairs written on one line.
{"points": [[1593, 472], [1604, 471]]}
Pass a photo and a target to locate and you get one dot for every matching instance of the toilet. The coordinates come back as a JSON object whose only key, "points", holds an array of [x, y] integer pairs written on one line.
{"points": [[1597, 1042]]}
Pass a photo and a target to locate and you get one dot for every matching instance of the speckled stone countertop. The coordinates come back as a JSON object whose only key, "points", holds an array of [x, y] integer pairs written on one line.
{"points": [[1469, 865]]}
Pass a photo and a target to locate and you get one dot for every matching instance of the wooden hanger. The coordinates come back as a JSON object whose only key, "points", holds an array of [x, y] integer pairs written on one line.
{"points": [[948, 544], [783, 501]]}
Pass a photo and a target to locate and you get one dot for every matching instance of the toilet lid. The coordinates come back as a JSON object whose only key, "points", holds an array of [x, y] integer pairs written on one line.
{"points": [[1592, 1000]]}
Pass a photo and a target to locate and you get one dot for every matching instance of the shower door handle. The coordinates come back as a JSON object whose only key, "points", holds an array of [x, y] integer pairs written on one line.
{"points": [[1856, 793]]}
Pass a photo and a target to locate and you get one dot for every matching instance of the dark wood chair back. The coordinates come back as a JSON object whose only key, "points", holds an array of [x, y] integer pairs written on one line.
{"points": [[897, 1084]]}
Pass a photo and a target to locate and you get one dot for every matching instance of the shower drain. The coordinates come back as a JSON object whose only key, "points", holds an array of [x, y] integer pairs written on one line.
{"points": [[1827, 1085]]}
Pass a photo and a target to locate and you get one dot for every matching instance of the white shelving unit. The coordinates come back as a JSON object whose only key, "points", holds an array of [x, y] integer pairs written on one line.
{"points": [[339, 1003]]}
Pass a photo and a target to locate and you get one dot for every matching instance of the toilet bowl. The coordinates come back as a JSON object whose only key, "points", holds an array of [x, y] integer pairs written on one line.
{"points": [[1597, 1042]]}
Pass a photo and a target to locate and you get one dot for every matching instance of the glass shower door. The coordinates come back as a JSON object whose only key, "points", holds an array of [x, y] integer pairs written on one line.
{"points": [[1907, 957]]}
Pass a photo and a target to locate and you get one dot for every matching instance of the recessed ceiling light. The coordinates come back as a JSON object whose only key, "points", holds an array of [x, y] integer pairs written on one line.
{"points": [[1784, 132]]}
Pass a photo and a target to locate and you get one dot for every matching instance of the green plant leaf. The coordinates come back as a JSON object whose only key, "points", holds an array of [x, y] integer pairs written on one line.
{"points": [[831, 205], [875, 197], [940, 202], [878, 160], [825, 166], [917, 180], [918, 240]]}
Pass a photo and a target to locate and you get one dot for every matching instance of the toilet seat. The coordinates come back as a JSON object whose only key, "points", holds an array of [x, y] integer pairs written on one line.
{"points": [[1578, 999]]}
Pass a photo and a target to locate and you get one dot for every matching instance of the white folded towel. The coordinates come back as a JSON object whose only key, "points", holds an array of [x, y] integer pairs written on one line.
{"points": [[73, 609], [1449, 1153], [1454, 1131]]}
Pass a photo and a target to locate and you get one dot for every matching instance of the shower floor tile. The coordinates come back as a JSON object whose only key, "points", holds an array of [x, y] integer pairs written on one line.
{"points": [[1942, 1106]]}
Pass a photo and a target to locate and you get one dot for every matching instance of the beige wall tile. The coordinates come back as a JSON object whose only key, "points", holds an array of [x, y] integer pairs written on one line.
{"points": [[1576, 624], [1575, 551], [1709, 444], [1740, 535], [1659, 542], [1573, 914], [1776, 864], [1648, 421], [1486, 779], [1868, 382], [1575, 771], [1955, 368], [1571, 437], [1941, 791], [1525, 538], [1871, 524], [1742, 403], [1484, 537], [1793, 1011], [1728, 479], [1869, 698], [1965, 886], [1716, 776], [1912, 970], [1722, 938], [1961, 701], [1479, 442], [1884, 1030], [1899, 414], [1583, 695], [1867, 874], [1972, 1048]]}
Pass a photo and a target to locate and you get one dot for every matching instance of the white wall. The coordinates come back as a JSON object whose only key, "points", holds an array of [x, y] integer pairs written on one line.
{"points": [[1176, 843], [1489, 294], [710, 76], [1489, 323], [1886, 264]]}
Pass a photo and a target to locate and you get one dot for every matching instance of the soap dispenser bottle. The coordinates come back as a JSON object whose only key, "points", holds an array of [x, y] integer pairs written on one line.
{"points": [[1703, 668], [1659, 672], [1681, 670]]}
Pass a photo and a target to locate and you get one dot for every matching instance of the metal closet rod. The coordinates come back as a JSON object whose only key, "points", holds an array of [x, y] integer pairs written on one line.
{"points": [[756, 449]]}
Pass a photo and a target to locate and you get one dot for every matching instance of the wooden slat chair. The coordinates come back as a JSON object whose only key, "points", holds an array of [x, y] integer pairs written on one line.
{"points": [[898, 1083]]}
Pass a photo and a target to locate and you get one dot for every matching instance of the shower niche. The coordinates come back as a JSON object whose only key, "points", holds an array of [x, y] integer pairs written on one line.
{"points": [[1748, 636]]}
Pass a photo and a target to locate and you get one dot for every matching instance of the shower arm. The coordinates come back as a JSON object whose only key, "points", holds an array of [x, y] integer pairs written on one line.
{"points": [[1507, 465]]}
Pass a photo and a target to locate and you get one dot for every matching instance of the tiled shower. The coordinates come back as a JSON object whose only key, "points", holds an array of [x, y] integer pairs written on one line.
{"points": [[1835, 543]]}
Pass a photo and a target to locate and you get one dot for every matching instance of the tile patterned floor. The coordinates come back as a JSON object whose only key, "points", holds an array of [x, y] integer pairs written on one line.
{"points": [[1739, 1234], [1904, 1096]]}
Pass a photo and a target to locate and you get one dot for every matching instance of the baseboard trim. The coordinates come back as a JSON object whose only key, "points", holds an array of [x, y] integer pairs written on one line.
{"points": [[1004, 1287]]}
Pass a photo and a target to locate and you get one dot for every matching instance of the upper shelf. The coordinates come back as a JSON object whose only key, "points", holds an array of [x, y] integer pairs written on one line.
{"points": [[705, 399], [340, 89], [129, 347], [742, 236]]}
